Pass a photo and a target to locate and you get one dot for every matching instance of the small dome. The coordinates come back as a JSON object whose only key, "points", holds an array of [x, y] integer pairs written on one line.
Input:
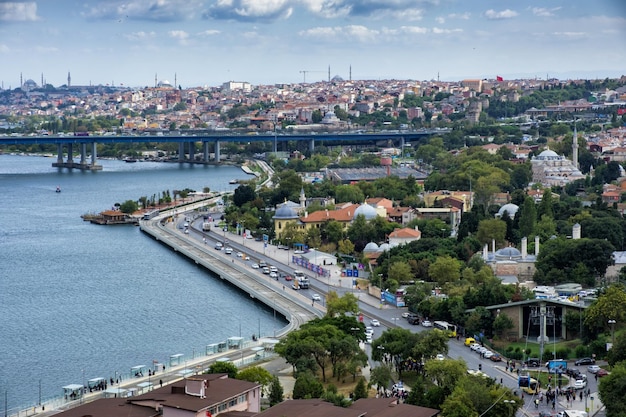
{"points": [[384, 247], [371, 247], [367, 211], [508, 253], [284, 212], [510, 208], [548, 154]]}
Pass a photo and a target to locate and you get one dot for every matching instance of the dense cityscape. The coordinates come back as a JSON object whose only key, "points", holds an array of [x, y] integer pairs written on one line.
{"points": [[504, 226]]}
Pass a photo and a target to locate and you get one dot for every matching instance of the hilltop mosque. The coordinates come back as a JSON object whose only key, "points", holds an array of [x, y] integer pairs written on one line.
{"points": [[551, 169]]}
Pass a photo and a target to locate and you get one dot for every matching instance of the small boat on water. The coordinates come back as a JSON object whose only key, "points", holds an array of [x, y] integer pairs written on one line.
{"points": [[58, 190], [233, 182], [130, 160]]}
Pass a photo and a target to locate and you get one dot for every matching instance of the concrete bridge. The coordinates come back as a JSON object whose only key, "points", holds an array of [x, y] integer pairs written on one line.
{"points": [[188, 143]]}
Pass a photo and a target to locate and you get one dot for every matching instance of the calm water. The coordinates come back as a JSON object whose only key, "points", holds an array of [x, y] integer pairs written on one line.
{"points": [[78, 297]]}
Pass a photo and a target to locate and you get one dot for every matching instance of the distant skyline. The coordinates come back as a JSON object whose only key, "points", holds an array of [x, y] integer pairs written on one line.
{"points": [[209, 42]]}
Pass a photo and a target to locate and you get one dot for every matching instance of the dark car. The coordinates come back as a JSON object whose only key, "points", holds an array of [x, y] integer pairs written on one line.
{"points": [[585, 361], [602, 372], [496, 358], [532, 362]]}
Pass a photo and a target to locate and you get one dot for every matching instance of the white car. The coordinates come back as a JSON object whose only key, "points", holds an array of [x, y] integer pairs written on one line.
{"points": [[405, 314], [316, 297], [254, 266], [375, 323], [580, 384], [427, 323], [440, 357], [239, 255], [593, 369], [488, 354], [369, 330], [273, 275]]}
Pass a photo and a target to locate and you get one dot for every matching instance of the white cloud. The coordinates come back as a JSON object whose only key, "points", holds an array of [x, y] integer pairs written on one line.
{"points": [[250, 10], [4, 49], [209, 32], [504, 14], [570, 35], [463, 16], [151, 10], [180, 35], [440, 31], [357, 33], [18, 12], [139, 36], [544, 12]]}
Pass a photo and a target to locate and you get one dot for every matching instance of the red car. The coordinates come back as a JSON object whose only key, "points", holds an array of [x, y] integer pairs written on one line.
{"points": [[602, 372], [288, 277]]}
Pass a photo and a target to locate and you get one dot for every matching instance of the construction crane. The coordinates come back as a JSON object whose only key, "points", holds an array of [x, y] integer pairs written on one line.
{"points": [[304, 73]]}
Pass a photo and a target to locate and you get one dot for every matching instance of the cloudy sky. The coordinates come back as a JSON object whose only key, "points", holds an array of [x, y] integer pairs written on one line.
{"points": [[208, 42]]}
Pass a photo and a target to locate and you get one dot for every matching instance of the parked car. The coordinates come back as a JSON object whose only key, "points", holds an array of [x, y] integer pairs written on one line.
{"points": [[593, 369], [413, 319], [427, 323], [488, 354], [585, 361], [375, 323], [602, 372], [532, 362], [496, 357]]}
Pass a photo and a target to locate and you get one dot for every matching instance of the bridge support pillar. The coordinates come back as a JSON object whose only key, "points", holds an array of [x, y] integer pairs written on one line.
{"points": [[217, 151], [70, 152], [275, 145], [94, 153], [192, 151], [205, 152], [402, 145], [181, 152], [83, 153], [59, 153], [312, 145]]}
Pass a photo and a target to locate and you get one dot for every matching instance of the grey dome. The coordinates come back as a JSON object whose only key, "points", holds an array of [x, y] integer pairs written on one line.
{"points": [[367, 211], [510, 208], [508, 253], [384, 247], [371, 247], [284, 212]]}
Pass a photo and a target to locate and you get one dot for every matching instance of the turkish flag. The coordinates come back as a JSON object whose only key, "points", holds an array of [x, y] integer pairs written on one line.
{"points": [[498, 78]]}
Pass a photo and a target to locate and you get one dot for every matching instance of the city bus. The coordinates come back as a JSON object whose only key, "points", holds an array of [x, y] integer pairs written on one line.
{"points": [[450, 329], [527, 384]]}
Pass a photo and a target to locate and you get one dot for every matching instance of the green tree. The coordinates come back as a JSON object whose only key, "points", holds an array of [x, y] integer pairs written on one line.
{"points": [[501, 324], [527, 218], [257, 375], [546, 206], [445, 269], [491, 229], [337, 306], [399, 272], [129, 207], [243, 194], [346, 247], [307, 386], [332, 231], [276, 391], [380, 376], [224, 368], [360, 391], [612, 388], [611, 305]]}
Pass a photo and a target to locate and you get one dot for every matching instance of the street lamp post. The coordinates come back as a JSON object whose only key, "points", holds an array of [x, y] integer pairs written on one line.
{"points": [[612, 323]]}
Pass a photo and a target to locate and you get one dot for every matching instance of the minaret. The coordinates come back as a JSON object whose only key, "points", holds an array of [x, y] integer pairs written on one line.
{"points": [[155, 80], [175, 81], [69, 80], [21, 81], [42, 84], [575, 146], [302, 198], [350, 73], [329, 73]]}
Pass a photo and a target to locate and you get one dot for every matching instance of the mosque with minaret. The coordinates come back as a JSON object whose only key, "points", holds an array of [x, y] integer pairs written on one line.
{"points": [[551, 169]]}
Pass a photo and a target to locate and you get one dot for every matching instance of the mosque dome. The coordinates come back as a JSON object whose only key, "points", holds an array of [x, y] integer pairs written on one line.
{"points": [[371, 247], [510, 208], [384, 247], [508, 253], [165, 84], [366, 210], [548, 155], [284, 212]]}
